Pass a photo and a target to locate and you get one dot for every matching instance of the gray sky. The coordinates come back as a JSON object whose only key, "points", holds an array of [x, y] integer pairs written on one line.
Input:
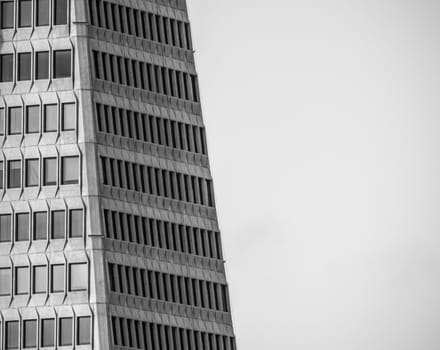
{"points": [[323, 121]]}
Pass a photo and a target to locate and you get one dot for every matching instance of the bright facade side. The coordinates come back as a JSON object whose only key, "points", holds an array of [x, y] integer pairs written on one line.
{"points": [[108, 229]]}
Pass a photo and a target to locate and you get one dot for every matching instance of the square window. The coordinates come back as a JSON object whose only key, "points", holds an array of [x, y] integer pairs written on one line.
{"points": [[21, 280], [25, 13], [69, 170], [40, 226], [58, 224], [42, 65], [22, 227], [43, 10], [83, 337], [62, 64], [24, 66], [49, 171], [61, 12], [32, 172], [12, 335], [32, 119], [69, 117], [30, 334], [76, 224], [78, 280], [66, 332], [15, 117], [57, 279], [5, 228], [48, 333], [5, 281], [50, 118], [7, 67], [7, 13], [14, 174], [40, 280]]}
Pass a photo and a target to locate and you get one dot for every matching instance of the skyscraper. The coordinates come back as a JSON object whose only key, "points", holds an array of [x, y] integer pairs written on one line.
{"points": [[108, 229]]}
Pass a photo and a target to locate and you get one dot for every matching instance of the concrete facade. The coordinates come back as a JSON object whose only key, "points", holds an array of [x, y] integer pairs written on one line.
{"points": [[149, 235]]}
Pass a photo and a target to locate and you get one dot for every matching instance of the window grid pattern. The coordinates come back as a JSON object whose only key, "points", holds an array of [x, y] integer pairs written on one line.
{"points": [[142, 24], [61, 62], [47, 174], [157, 182], [47, 332], [152, 129], [23, 11], [38, 228], [168, 287], [57, 274], [162, 234], [146, 76], [136, 334]]}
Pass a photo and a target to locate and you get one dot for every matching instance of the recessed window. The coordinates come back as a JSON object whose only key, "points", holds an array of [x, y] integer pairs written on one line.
{"points": [[58, 224], [78, 277], [7, 14], [24, 66], [2, 121], [32, 172], [15, 117], [40, 280], [1, 175], [69, 117], [7, 67], [30, 334], [42, 65], [69, 170], [21, 280], [22, 227], [40, 225], [43, 10], [61, 12], [5, 228], [12, 335], [32, 119], [14, 174], [49, 171], [66, 332], [83, 337], [25, 13], [47, 333], [76, 223], [62, 64], [57, 278], [50, 118], [5, 281]]}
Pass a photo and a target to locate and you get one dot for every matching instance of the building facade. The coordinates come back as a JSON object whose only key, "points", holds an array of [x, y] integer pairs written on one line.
{"points": [[108, 229]]}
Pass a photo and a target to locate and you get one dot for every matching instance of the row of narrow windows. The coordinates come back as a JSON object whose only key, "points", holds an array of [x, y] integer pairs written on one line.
{"points": [[142, 24], [41, 279], [49, 171], [162, 234], [148, 128], [145, 76], [33, 119], [143, 335], [40, 65], [157, 182], [33, 13], [41, 225], [171, 288], [33, 333]]}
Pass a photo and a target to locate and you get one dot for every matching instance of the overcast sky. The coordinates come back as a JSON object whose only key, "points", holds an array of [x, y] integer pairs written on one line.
{"points": [[323, 122]]}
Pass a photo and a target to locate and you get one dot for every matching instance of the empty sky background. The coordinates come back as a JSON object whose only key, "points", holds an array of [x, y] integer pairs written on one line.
{"points": [[323, 122]]}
